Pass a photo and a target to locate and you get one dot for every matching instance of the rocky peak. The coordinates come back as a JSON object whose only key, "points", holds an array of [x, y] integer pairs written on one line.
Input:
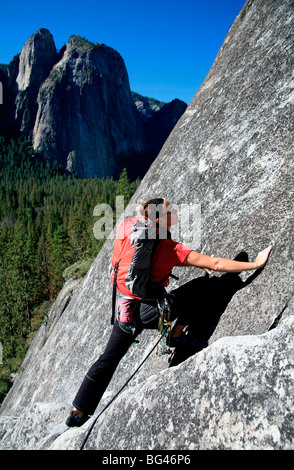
{"points": [[162, 122], [146, 106], [87, 119], [76, 106], [36, 60]]}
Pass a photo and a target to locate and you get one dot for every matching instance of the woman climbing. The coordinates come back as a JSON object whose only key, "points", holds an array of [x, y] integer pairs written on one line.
{"points": [[137, 310]]}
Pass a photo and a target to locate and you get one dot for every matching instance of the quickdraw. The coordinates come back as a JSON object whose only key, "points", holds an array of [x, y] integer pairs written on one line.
{"points": [[164, 323]]}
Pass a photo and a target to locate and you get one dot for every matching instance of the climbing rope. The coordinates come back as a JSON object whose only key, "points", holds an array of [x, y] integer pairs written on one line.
{"points": [[165, 329]]}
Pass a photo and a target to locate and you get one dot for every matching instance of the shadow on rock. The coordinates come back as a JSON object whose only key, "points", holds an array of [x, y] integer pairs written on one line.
{"points": [[202, 302]]}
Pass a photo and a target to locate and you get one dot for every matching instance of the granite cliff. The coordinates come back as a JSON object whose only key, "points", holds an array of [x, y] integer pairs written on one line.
{"points": [[77, 107], [86, 116], [231, 153], [35, 62], [21, 82]]}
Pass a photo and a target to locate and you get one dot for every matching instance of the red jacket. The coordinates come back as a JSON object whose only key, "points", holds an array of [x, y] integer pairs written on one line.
{"points": [[143, 263]]}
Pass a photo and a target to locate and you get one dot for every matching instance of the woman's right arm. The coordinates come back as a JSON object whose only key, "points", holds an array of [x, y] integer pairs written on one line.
{"points": [[210, 263]]}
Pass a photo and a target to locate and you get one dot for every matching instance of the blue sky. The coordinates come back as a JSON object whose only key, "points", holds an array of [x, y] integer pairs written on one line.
{"points": [[168, 45]]}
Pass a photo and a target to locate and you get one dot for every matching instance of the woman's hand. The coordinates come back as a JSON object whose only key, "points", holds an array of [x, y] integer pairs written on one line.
{"points": [[262, 257]]}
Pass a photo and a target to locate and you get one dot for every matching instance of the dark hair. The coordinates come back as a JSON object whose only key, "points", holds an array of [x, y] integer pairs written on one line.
{"points": [[155, 204]]}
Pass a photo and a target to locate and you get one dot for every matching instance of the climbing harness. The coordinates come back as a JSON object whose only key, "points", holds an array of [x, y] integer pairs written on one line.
{"points": [[165, 329]]}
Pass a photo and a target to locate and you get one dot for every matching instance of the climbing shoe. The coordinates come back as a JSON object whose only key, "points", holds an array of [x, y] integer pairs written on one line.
{"points": [[75, 421]]}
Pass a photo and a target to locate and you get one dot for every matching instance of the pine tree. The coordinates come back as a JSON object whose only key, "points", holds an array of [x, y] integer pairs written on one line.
{"points": [[124, 186], [60, 257]]}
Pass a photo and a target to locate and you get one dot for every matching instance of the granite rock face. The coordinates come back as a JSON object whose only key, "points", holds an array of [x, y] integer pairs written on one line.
{"points": [[231, 153], [86, 115], [22, 80], [35, 62], [77, 108], [236, 394], [230, 160]]}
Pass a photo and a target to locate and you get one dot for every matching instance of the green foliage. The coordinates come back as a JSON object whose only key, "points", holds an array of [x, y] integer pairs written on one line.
{"points": [[5, 382], [46, 236], [146, 99], [126, 188], [38, 316], [78, 269]]}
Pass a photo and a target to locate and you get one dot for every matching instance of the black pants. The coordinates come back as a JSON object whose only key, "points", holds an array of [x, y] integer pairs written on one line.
{"points": [[101, 372]]}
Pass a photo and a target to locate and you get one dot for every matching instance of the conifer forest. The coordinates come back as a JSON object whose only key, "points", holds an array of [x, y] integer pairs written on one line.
{"points": [[46, 237]]}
